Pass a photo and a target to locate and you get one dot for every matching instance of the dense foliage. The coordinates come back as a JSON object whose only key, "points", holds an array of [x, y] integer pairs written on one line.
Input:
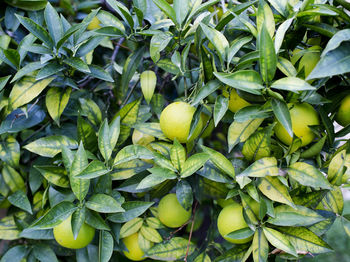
{"points": [[259, 113]]}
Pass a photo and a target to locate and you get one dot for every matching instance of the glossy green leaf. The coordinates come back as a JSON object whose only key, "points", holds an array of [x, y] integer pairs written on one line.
{"points": [[56, 100], [308, 175], [80, 187], [193, 164], [273, 188], [55, 216], [55, 175], [158, 175], [26, 90], [246, 80], [174, 249], [266, 166], [132, 209], [240, 132], [53, 23], [260, 246], [281, 111], [220, 108], [94, 169], [301, 216], [151, 234], [104, 204], [280, 241], [20, 199], [51, 145], [220, 161], [268, 58], [293, 84], [105, 246]]}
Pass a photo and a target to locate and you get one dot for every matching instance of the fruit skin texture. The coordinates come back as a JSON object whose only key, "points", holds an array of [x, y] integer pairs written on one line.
{"points": [[310, 60], [94, 24], [134, 252], [231, 219], [175, 122], [236, 102], [64, 235], [171, 213], [302, 115], [343, 114]]}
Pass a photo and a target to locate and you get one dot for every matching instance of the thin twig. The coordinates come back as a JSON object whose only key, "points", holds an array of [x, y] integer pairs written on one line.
{"points": [[129, 94], [190, 236], [116, 49]]}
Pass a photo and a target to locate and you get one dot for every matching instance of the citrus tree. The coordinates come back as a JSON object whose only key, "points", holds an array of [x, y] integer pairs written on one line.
{"points": [[173, 130]]}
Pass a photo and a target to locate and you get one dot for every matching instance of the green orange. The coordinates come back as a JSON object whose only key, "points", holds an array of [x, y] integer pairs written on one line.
{"points": [[302, 115], [343, 114], [171, 213], [134, 252], [64, 235], [235, 102], [231, 219], [175, 122]]}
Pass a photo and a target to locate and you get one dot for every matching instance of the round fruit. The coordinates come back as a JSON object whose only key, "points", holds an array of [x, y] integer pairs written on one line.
{"points": [[303, 115], [231, 219], [94, 24], [343, 114], [225, 202], [175, 122], [236, 102], [310, 60], [64, 235], [134, 252], [171, 213], [139, 138]]}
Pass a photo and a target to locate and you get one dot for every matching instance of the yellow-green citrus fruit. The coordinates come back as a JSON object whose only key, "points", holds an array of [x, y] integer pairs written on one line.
{"points": [[225, 202], [302, 116], [175, 122], [343, 114], [139, 138], [310, 60], [171, 213], [64, 235], [134, 252], [235, 102], [231, 219], [94, 24]]}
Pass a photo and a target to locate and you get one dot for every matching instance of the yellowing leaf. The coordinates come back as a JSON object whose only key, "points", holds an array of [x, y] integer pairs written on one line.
{"points": [[26, 90]]}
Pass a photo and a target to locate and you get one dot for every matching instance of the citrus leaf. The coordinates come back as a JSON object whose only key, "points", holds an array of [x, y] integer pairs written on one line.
{"points": [[132, 209], [10, 151], [220, 108], [245, 80], [273, 188], [26, 90], [260, 246], [95, 169], [51, 145], [12, 178], [103, 204], [184, 194], [300, 216], [267, 58], [178, 155], [266, 166], [240, 132], [281, 111], [55, 216], [20, 199], [280, 241], [131, 227], [158, 176], [56, 100], [151, 234], [105, 246], [104, 141], [55, 175], [80, 187], [220, 161], [304, 240], [174, 249], [293, 84], [308, 175], [193, 164], [132, 152]]}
